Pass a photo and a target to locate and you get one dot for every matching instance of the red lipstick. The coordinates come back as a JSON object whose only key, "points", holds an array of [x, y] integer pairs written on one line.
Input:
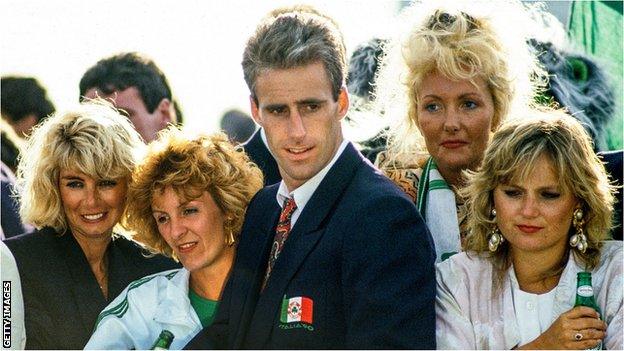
{"points": [[453, 144], [529, 229]]}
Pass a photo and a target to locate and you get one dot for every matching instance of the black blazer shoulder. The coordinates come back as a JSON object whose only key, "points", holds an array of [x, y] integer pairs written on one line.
{"points": [[614, 164], [261, 156], [62, 298]]}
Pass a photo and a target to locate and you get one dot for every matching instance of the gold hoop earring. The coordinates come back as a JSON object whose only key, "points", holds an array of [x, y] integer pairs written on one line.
{"points": [[496, 238], [578, 240]]}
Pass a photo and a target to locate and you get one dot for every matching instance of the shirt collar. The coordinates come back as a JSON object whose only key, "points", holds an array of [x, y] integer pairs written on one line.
{"points": [[304, 192]]}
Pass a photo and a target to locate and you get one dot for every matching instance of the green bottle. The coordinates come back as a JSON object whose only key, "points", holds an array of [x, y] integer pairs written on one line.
{"points": [[164, 340], [585, 296]]}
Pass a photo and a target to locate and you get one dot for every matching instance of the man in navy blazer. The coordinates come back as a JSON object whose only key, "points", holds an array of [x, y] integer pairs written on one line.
{"points": [[356, 269]]}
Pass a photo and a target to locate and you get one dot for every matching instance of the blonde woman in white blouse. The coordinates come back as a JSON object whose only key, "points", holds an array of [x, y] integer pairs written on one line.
{"points": [[539, 211]]}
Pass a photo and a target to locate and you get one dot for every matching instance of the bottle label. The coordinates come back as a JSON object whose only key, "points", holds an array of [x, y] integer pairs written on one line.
{"points": [[597, 347], [585, 291]]}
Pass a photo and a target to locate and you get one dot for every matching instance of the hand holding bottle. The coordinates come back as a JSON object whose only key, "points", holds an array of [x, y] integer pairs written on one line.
{"points": [[565, 330]]}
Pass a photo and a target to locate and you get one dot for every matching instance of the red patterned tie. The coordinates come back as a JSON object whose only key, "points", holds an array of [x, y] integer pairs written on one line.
{"points": [[281, 234]]}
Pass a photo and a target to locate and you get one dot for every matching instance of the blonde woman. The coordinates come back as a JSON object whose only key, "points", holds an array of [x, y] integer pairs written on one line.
{"points": [[188, 200], [448, 82], [73, 176], [539, 210]]}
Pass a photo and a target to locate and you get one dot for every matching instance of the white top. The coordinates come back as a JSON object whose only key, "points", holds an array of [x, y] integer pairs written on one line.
{"points": [[533, 313], [472, 314], [135, 318], [12, 288], [303, 193]]}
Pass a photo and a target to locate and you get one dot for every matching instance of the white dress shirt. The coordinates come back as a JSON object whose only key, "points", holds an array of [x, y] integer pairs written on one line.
{"points": [[303, 193]]}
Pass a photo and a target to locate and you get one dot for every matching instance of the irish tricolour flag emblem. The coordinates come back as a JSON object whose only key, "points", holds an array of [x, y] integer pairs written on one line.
{"points": [[296, 309]]}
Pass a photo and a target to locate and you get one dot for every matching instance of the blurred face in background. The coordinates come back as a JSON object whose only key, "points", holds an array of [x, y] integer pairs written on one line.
{"points": [[129, 100]]}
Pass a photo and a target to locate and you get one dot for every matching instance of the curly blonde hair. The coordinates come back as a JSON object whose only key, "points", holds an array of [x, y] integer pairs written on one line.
{"points": [[190, 165], [92, 138], [514, 149], [462, 44]]}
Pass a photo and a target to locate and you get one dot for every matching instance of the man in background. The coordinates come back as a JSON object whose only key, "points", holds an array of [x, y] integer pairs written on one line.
{"points": [[24, 103], [138, 87]]}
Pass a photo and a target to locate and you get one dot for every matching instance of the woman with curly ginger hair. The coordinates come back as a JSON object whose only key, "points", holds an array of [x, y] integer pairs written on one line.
{"points": [[187, 200], [540, 210]]}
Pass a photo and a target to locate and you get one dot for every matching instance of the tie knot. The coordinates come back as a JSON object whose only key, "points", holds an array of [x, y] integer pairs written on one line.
{"points": [[289, 206]]}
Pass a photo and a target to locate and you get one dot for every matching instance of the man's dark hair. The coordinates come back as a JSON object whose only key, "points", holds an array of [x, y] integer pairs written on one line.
{"points": [[291, 39], [23, 96], [126, 70], [238, 125], [363, 66]]}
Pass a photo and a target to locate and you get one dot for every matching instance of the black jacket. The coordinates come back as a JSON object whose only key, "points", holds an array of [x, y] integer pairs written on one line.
{"points": [[260, 155], [62, 298], [613, 161]]}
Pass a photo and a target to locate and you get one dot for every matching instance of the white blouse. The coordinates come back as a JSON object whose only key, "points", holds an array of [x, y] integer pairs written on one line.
{"points": [[472, 314], [533, 313]]}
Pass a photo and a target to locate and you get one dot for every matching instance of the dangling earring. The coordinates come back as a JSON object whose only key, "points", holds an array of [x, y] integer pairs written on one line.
{"points": [[495, 235], [229, 239], [578, 240]]}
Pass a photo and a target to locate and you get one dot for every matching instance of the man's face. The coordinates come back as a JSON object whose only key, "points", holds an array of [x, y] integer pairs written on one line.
{"points": [[129, 100], [301, 119]]}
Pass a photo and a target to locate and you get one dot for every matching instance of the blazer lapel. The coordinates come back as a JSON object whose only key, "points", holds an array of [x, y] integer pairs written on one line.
{"points": [[247, 281], [83, 285], [302, 239]]}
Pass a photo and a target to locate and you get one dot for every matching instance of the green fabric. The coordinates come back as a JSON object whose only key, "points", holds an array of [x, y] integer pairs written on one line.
{"points": [[205, 309], [596, 26]]}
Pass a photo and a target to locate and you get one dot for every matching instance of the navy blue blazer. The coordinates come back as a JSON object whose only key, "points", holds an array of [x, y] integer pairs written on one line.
{"points": [[62, 298], [260, 155], [614, 161], [359, 252]]}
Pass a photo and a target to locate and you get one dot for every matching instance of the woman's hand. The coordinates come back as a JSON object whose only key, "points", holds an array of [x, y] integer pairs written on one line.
{"points": [[579, 328]]}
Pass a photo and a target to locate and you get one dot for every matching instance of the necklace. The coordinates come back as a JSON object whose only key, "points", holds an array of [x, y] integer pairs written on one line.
{"points": [[103, 285], [102, 279]]}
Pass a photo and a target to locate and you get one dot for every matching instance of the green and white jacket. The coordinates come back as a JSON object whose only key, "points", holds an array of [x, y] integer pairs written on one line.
{"points": [[136, 317]]}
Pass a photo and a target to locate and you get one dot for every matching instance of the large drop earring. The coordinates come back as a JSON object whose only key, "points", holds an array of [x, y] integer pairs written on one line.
{"points": [[229, 237], [578, 240], [496, 238]]}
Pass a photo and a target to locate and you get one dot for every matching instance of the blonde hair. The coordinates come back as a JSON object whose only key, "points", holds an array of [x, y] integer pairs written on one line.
{"points": [[190, 165], [92, 138], [511, 156], [462, 43]]}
